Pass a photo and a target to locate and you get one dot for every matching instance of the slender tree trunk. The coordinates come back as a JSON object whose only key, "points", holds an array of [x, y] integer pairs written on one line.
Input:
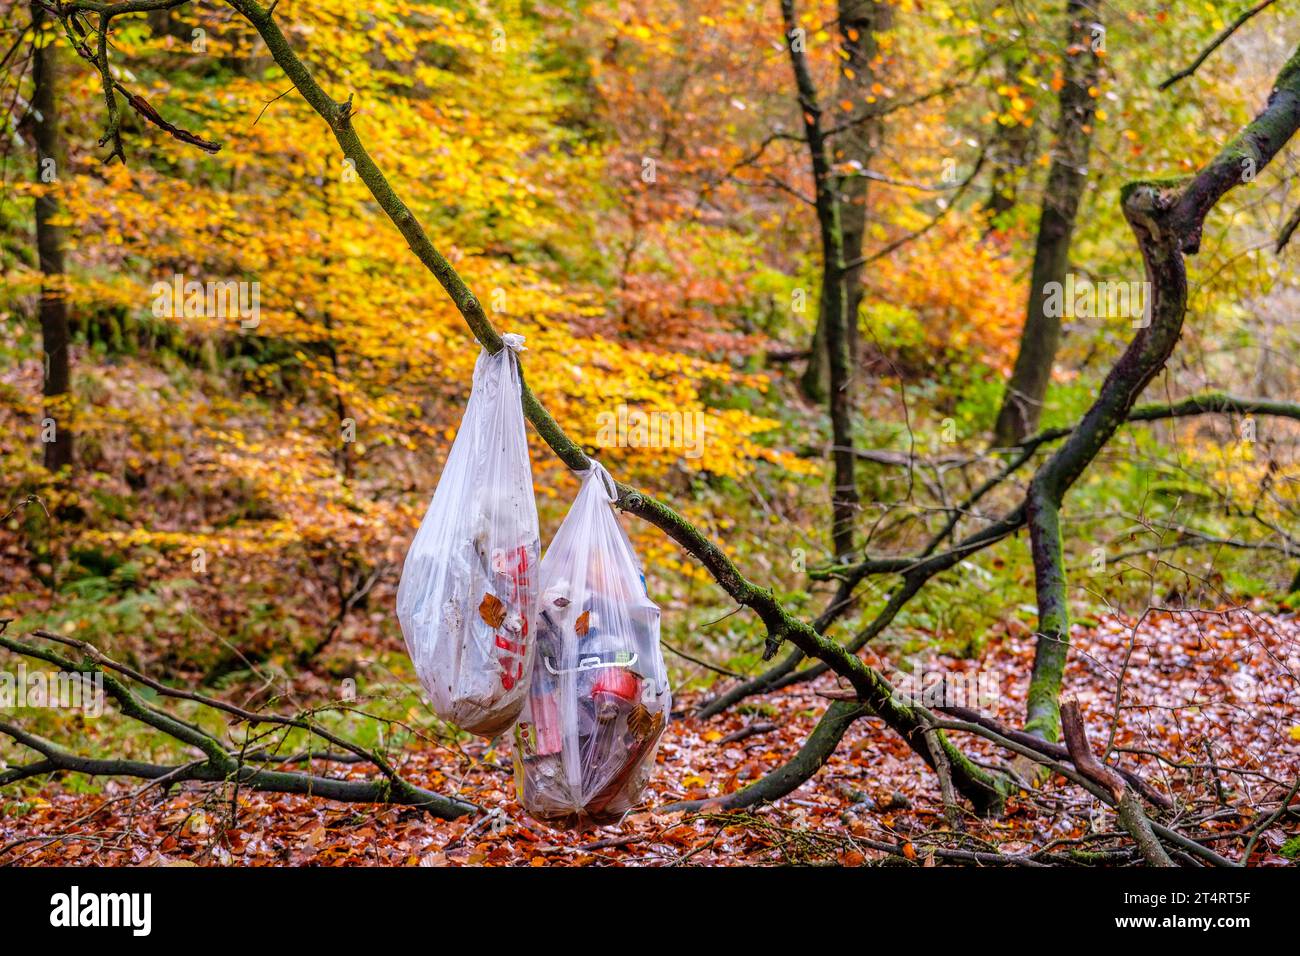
{"points": [[844, 498], [813, 380], [834, 300], [860, 22], [56, 433], [1023, 402], [856, 142]]}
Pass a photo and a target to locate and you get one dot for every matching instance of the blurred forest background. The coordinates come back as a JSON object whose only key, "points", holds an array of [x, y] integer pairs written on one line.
{"points": [[628, 186]]}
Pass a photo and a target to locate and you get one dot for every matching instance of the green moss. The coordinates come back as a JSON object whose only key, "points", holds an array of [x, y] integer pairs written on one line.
{"points": [[1289, 75], [1167, 183], [1043, 704], [998, 787]]}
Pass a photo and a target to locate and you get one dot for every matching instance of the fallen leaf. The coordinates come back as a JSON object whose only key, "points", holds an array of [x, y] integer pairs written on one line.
{"points": [[492, 611]]}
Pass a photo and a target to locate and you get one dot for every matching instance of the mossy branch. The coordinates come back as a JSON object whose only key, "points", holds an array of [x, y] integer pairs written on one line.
{"points": [[217, 764], [1166, 218]]}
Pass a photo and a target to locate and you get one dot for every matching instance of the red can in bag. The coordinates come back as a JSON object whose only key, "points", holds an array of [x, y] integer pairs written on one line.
{"points": [[617, 682]]}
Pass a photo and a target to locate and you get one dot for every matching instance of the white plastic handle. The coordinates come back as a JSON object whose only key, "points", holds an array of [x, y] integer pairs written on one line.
{"points": [[587, 664]]}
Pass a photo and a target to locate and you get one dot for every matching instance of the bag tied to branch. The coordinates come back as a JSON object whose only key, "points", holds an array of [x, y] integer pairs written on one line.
{"points": [[467, 600], [599, 700]]}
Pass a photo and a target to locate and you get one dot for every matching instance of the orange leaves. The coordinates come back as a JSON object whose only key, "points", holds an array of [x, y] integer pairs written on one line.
{"points": [[492, 611], [868, 801], [977, 306]]}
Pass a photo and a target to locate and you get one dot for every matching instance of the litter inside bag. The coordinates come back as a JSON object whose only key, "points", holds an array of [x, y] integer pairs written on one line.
{"points": [[585, 743], [468, 595]]}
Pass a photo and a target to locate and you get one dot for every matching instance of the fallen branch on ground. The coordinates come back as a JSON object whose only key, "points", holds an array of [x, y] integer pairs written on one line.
{"points": [[218, 764], [1131, 816]]}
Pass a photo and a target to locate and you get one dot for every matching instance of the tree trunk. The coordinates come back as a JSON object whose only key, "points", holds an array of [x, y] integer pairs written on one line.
{"points": [[813, 380], [1023, 402], [856, 142], [56, 433], [834, 300]]}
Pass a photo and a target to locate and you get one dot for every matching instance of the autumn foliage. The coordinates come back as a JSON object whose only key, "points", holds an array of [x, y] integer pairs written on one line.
{"points": [[628, 186]]}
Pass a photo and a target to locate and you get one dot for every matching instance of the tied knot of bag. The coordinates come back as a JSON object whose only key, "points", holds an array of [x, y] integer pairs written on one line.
{"points": [[596, 470], [513, 341]]}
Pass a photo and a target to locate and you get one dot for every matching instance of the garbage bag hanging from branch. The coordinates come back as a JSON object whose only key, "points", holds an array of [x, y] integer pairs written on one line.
{"points": [[467, 600], [599, 701]]}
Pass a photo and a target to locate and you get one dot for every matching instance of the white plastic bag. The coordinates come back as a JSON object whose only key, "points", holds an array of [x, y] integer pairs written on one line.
{"points": [[599, 700], [467, 600]]}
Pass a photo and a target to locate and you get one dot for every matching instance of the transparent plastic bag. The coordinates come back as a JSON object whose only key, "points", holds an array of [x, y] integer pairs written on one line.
{"points": [[467, 600], [599, 700]]}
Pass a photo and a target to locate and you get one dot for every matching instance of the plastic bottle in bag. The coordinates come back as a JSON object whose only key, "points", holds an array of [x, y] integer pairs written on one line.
{"points": [[467, 600], [585, 743]]}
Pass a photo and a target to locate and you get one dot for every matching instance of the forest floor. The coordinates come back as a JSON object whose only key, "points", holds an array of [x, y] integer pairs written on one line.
{"points": [[1210, 712]]}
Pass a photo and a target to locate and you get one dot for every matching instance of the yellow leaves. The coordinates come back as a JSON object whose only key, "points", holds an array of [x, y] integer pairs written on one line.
{"points": [[482, 150], [1294, 733]]}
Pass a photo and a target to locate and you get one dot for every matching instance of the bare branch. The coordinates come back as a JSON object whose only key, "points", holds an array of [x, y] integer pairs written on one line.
{"points": [[1130, 811], [218, 764], [1217, 42], [1288, 230]]}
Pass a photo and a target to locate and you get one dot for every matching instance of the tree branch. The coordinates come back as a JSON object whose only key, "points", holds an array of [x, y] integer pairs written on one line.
{"points": [[1130, 811], [1288, 230], [218, 764], [1166, 218], [1217, 42]]}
